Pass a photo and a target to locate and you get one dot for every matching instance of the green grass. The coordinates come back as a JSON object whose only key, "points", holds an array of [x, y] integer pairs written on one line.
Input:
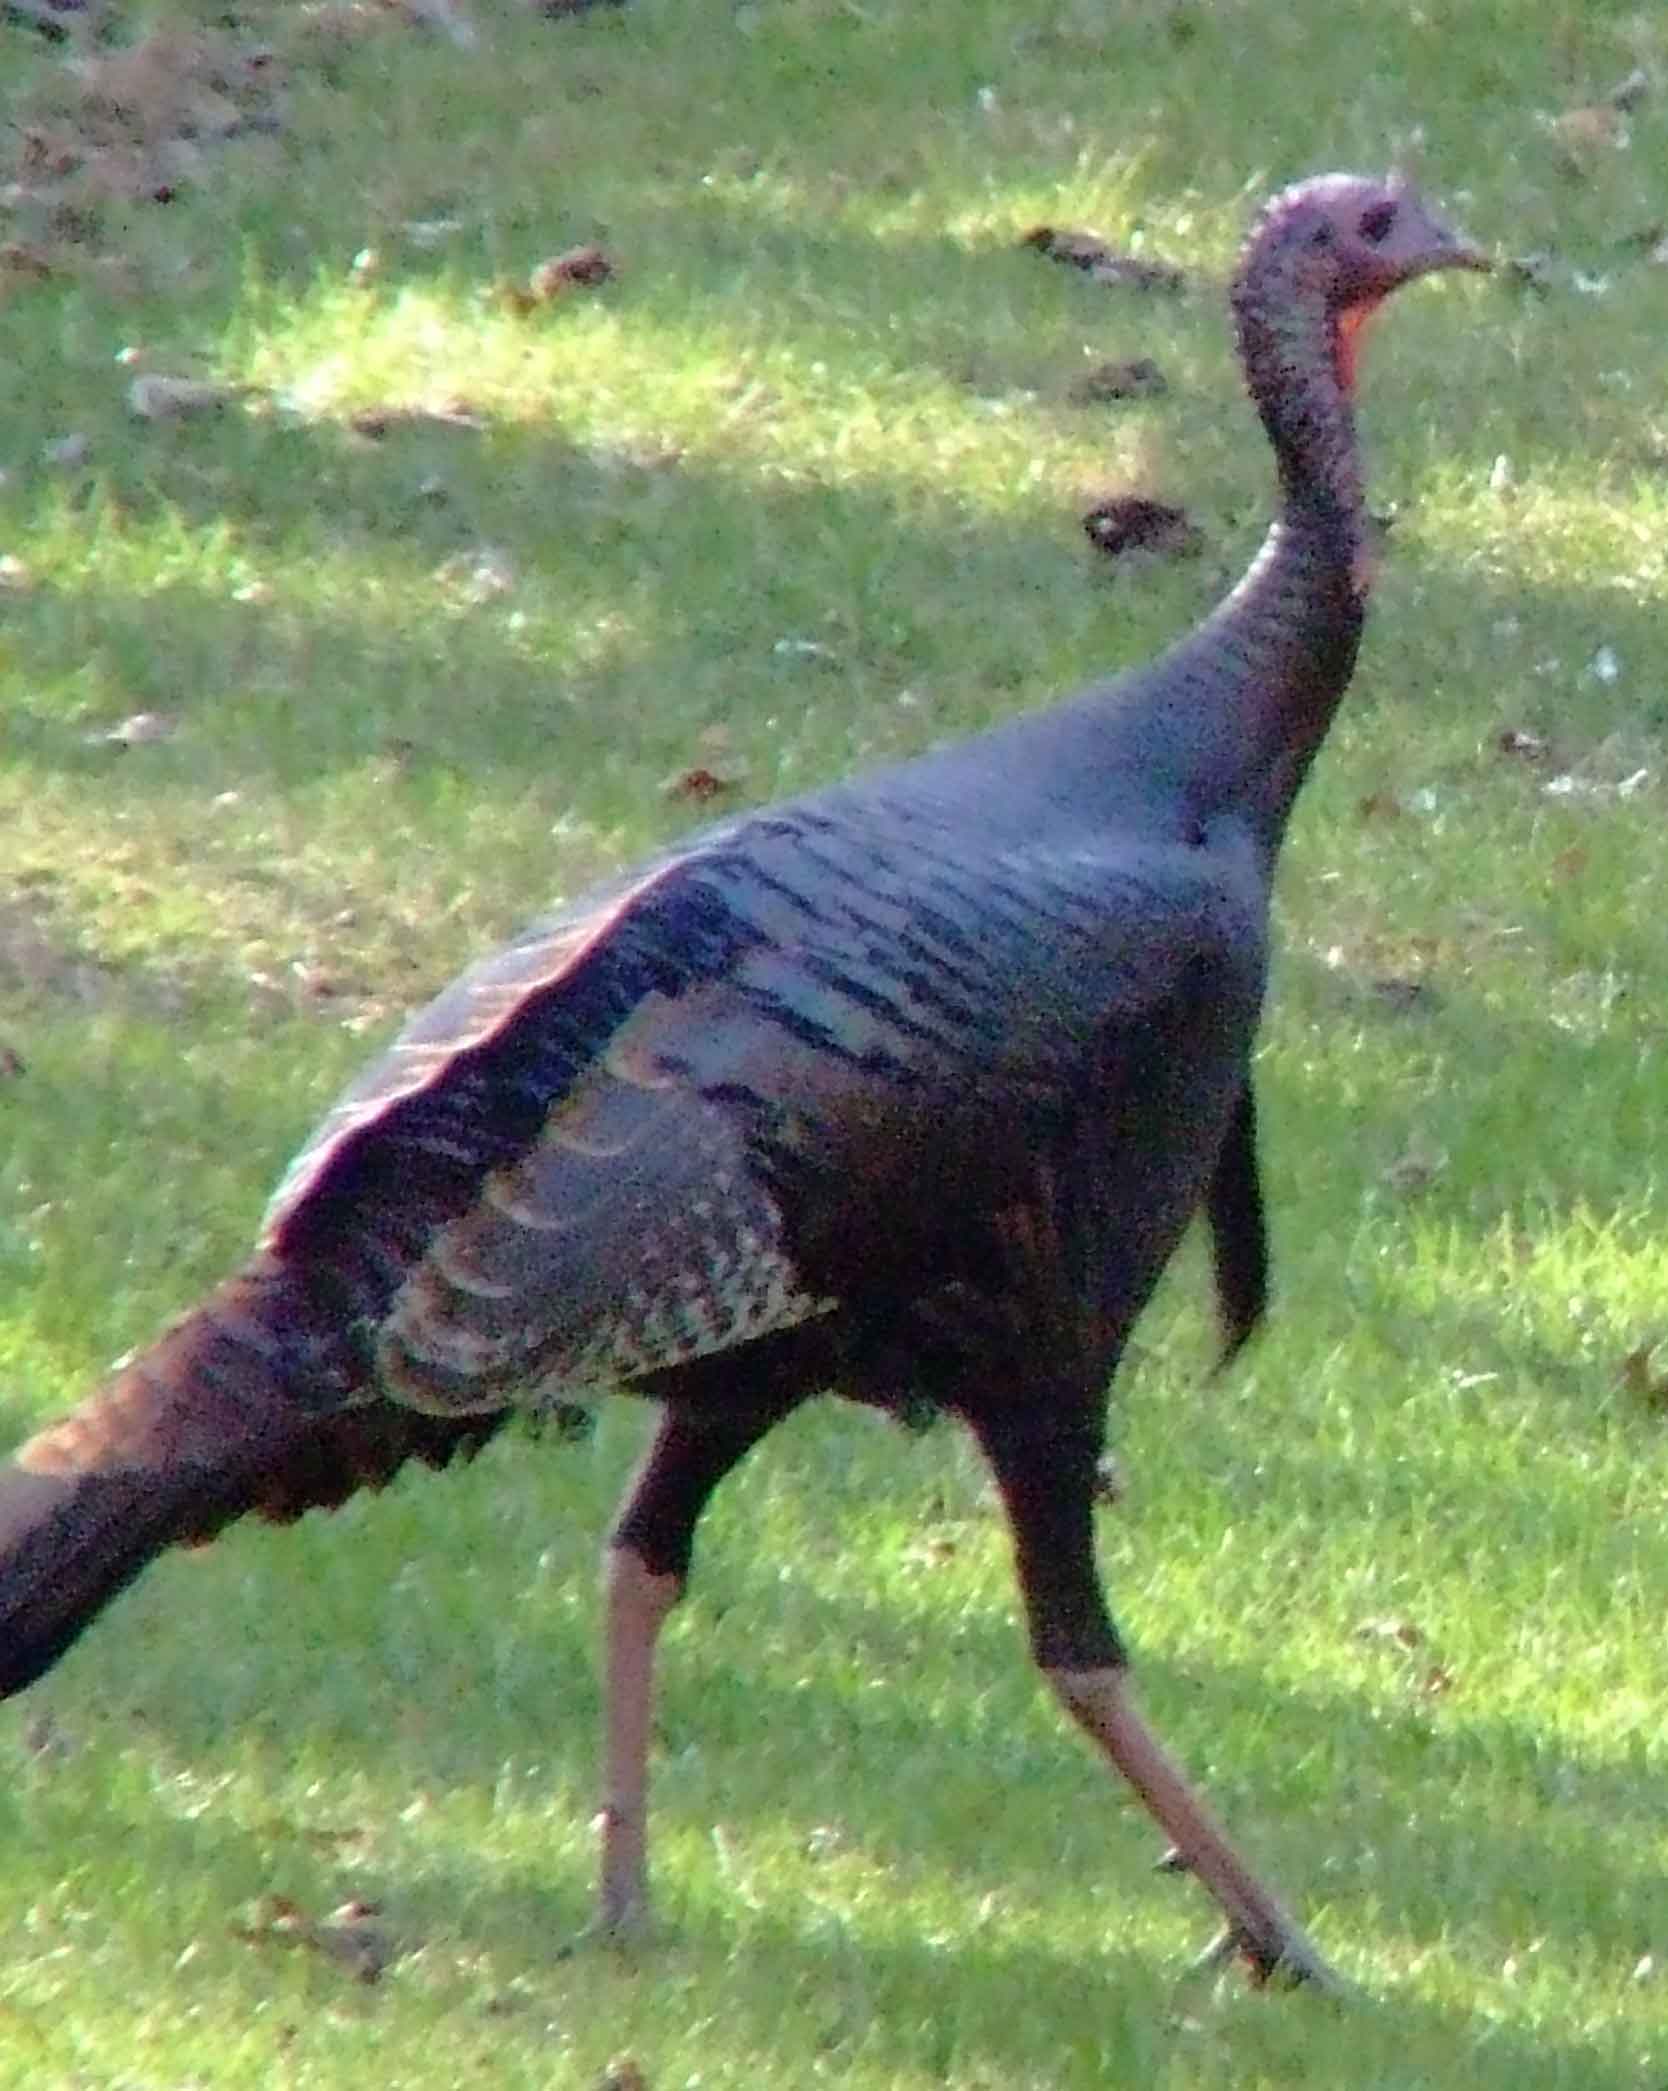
{"points": [[824, 401]]}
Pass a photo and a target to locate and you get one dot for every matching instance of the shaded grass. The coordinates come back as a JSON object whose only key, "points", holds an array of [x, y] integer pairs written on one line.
{"points": [[825, 402]]}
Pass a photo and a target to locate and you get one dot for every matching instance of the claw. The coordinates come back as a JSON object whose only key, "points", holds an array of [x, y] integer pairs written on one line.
{"points": [[1283, 1965], [1215, 1957]]}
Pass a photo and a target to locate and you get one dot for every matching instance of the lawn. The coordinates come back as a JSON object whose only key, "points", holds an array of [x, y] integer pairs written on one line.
{"points": [[447, 597]]}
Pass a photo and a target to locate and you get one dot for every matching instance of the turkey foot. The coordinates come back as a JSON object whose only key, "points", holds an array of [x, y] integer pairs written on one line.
{"points": [[1229, 1945], [1276, 1947], [636, 1602], [1297, 1961], [622, 1917]]}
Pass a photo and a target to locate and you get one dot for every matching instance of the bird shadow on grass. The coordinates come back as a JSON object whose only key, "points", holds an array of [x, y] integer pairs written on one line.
{"points": [[576, 656], [589, 676], [753, 1737], [847, 624], [591, 529], [862, 1972]]}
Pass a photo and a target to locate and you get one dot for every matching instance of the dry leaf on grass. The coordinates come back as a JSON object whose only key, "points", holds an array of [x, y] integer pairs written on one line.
{"points": [[46, 17], [931, 1550], [321, 1838], [44, 1740], [1434, 1678], [585, 267], [120, 124], [1126, 524], [21, 261], [1136, 377], [698, 782], [138, 731], [1596, 790], [446, 16], [353, 1937], [1522, 745], [715, 771], [1632, 92], [1605, 667], [1380, 805], [1638, 1378], [376, 423], [1402, 1632], [318, 983], [1088, 252], [1407, 997], [579, 268], [41, 964], [1415, 1169], [478, 575], [1569, 863], [1110, 1487], [154, 397], [67, 453], [1534, 272], [1581, 135]]}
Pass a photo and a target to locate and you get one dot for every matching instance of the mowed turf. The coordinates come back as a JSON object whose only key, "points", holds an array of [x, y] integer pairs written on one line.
{"points": [[460, 600]]}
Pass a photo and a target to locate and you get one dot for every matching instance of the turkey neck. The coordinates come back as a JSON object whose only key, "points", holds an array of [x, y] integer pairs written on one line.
{"points": [[1261, 678], [1232, 715]]}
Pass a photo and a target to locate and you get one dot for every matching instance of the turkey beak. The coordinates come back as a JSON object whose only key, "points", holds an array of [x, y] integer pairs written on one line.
{"points": [[1455, 253], [1442, 248]]}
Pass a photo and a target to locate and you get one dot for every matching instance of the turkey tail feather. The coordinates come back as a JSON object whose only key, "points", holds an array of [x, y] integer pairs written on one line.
{"points": [[1239, 1231], [237, 1410]]}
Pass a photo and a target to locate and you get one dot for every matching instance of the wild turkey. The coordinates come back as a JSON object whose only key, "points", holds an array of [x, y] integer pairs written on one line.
{"points": [[903, 1089]]}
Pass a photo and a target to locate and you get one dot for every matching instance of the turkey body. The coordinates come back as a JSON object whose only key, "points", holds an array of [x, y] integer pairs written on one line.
{"points": [[903, 1089], [803, 1071]]}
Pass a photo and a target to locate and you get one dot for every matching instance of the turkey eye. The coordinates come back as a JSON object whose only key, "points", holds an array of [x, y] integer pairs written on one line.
{"points": [[1376, 223]]}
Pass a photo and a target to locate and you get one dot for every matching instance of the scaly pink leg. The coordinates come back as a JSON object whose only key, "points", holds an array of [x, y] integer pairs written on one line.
{"points": [[1099, 1701], [648, 1557], [637, 1602], [1043, 1455]]}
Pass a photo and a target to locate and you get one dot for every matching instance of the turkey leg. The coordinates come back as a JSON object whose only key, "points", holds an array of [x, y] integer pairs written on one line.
{"points": [[636, 1604], [1275, 1945], [647, 1571], [1044, 1463]]}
